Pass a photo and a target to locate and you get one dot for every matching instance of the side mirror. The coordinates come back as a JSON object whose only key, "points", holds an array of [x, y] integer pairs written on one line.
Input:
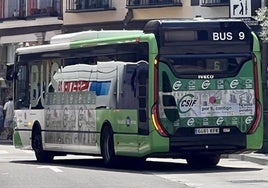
{"points": [[10, 72]]}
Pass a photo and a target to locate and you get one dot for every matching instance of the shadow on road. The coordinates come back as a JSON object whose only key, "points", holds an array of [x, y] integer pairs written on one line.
{"points": [[146, 167]]}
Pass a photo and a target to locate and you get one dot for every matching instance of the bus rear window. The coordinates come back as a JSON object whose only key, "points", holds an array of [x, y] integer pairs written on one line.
{"points": [[210, 65]]}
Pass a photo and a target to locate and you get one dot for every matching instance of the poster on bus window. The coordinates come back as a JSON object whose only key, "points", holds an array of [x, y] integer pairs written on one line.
{"points": [[70, 118], [215, 103], [210, 102]]}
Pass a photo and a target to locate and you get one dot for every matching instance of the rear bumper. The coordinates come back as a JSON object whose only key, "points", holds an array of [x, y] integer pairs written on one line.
{"points": [[223, 143]]}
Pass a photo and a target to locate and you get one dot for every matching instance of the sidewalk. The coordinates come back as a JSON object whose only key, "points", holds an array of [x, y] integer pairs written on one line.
{"points": [[258, 158], [3, 139], [6, 142]]}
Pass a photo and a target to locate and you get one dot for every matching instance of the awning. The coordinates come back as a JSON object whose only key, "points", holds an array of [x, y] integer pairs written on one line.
{"points": [[31, 37], [18, 38]]}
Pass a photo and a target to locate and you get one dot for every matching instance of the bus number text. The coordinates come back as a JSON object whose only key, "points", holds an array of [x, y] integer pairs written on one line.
{"points": [[227, 36]]}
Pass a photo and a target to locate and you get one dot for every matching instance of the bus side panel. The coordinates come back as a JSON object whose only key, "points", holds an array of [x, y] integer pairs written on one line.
{"points": [[124, 124], [153, 144], [21, 139], [254, 141], [23, 127]]}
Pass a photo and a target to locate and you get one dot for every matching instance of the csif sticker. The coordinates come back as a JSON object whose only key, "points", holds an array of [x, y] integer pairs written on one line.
{"points": [[186, 103]]}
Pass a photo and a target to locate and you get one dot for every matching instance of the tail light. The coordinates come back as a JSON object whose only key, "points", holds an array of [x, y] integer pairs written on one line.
{"points": [[156, 123], [258, 111]]}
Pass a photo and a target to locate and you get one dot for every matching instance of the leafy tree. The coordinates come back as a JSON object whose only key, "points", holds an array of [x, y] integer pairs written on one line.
{"points": [[262, 17]]}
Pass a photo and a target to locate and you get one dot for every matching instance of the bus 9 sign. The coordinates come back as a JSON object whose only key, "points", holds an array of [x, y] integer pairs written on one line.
{"points": [[228, 36]]}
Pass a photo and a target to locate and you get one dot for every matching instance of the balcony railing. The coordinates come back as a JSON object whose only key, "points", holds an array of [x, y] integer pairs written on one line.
{"points": [[22, 10], [151, 3], [214, 3], [88, 5]]}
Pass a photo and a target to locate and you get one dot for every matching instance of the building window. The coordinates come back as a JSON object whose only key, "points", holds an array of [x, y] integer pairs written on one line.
{"points": [[194, 2], [152, 3], [20, 9], [212, 3], [83, 5]]}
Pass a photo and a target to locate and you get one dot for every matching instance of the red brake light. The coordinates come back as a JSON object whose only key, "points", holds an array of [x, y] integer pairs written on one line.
{"points": [[257, 96], [156, 123]]}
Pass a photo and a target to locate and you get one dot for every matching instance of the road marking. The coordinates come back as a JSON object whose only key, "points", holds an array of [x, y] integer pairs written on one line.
{"points": [[53, 168], [3, 152]]}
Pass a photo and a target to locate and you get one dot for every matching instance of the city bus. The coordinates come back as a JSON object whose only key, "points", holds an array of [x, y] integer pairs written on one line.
{"points": [[187, 89]]}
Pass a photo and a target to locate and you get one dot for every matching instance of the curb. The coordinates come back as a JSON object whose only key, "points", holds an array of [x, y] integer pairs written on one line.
{"points": [[6, 142], [257, 158]]}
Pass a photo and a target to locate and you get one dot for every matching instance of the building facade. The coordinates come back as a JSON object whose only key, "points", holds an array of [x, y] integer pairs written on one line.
{"points": [[25, 22], [32, 22], [133, 14]]}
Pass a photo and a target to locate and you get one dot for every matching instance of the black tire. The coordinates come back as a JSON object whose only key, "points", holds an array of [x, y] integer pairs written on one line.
{"points": [[40, 154], [107, 147], [203, 161]]}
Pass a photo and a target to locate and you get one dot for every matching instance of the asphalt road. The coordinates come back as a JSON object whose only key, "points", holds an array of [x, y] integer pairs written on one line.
{"points": [[18, 169]]}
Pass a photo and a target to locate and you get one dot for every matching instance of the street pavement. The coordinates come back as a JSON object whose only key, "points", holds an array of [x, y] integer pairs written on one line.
{"points": [[255, 157]]}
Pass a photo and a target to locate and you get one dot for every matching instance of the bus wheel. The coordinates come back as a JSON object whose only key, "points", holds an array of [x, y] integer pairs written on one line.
{"points": [[107, 147], [203, 161], [40, 154]]}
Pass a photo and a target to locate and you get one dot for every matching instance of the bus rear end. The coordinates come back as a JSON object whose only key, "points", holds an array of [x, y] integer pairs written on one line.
{"points": [[207, 92]]}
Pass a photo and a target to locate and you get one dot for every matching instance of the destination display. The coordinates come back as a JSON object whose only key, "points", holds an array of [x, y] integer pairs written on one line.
{"points": [[208, 31]]}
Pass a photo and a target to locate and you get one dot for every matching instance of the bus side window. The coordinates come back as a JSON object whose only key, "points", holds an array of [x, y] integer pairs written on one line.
{"points": [[129, 88]]}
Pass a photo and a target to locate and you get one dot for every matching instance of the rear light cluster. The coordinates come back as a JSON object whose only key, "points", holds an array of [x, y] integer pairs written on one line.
{"points": [[155, 120], [258, 110]]}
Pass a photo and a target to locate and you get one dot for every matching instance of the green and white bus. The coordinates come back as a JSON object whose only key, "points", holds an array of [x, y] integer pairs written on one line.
{"points": [[186, 89]]}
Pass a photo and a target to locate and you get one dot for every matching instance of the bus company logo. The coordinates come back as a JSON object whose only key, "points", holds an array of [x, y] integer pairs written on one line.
{"points": [[128, 121], [205, 84], [234, 121], [177, 85], [219, 121], [191, 85], [208, 76], [249, 83], [190, 122], [234, 84], [249, 120], [205, 122], [186, 103]]}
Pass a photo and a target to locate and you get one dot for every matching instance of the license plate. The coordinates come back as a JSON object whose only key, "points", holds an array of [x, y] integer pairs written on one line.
{"points": [[207, 131]]}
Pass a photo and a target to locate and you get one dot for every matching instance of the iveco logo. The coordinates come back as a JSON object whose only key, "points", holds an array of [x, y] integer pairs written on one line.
{"points": [[205, 76]]}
